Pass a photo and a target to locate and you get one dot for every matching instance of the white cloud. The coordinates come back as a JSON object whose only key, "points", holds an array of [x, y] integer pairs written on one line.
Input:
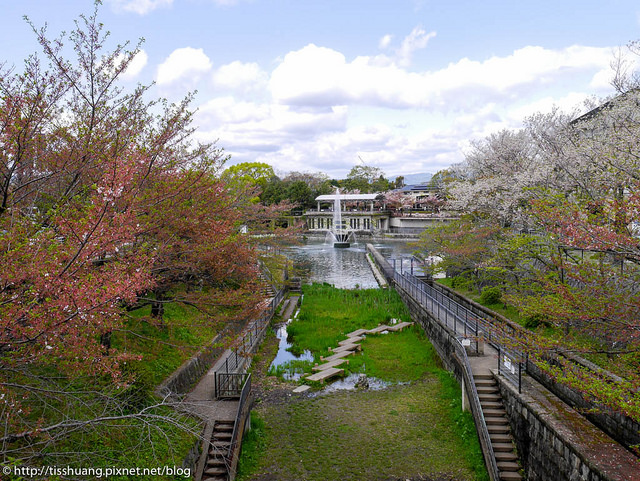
{"points": [[136, 65], [320, 111], [141, 7], [240, 76], [385, 41], [417, 39], [321, 76], [181, 63]]}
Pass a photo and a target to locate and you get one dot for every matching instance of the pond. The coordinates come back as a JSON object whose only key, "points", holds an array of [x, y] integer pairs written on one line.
{"points": [[347, 268]]}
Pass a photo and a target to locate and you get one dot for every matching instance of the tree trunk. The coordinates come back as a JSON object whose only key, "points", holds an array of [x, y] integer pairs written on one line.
{"points": [[157, 306], [105, 341]]}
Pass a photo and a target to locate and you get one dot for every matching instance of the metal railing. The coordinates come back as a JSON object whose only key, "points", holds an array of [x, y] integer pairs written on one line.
{"points": [[238, 426], [476, 411], [510, 366], [456, 317], [249, 338], [229, 385], [473, 327]]}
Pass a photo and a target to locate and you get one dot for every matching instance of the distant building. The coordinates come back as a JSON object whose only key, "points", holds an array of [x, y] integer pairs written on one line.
{"points": [[367, 214]]}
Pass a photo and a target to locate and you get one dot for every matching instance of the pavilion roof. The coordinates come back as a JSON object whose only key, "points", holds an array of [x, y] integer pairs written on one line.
{"points": [[332, 197]]}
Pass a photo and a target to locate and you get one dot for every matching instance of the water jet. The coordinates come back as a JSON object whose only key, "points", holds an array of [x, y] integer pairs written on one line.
{"points": [[341, 235]]}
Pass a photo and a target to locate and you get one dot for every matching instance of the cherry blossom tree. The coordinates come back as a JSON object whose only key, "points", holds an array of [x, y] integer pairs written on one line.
{"points": [[104, 199]]}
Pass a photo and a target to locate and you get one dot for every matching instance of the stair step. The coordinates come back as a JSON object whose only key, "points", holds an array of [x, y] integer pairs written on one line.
{"points": [[486, 375], [486, 383], [498, 429], [223, 429], [215, 461], [224, 423], [215, 471], [500, 438], [495, 420], [487, 390], [215, 478], [219, 447], [508, 466], [490, 405], [510, 476], [502, 447], [494, 413], [502, 456], [489, 396]]}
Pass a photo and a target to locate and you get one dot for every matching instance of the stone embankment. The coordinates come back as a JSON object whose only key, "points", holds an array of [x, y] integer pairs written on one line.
{"points": [[554, 441]]}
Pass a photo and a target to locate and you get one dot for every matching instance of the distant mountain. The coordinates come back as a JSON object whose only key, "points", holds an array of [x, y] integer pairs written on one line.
{"points": [[411, 179]]}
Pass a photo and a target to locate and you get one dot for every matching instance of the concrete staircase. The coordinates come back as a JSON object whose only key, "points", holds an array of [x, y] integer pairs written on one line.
{"points": [[267, 288], [217, 465], [498, 425]]}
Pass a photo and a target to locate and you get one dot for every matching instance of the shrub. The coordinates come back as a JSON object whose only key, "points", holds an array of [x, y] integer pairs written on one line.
{"points": [[491, 295], [534, 321]]}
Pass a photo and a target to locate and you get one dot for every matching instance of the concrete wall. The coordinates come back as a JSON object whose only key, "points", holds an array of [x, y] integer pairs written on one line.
{"points": [[555, 443], [189, 373]]}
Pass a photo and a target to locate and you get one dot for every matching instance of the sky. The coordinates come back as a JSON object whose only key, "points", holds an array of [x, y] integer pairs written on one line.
{"points": [[322, 86]]}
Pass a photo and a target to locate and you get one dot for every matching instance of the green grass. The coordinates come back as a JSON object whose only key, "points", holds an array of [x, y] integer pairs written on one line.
{"points": [[407, 430], [328, 314], [506, 310], [403, 431], [163, 348], [253, 446]]}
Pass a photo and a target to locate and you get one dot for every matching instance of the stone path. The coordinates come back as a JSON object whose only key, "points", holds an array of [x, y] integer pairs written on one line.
{"points": [[345, 348]]}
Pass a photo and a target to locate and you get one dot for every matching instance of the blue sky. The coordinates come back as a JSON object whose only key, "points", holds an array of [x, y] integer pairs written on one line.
{"points": [[313, 86]]}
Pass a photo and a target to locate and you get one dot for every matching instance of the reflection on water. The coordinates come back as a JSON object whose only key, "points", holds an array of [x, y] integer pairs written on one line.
{"points": [[284, 357], [344, 268], [350, 383]]}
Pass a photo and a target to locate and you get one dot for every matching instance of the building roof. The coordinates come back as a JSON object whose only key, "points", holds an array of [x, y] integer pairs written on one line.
{"points": [[332, 197], [424, 187]]}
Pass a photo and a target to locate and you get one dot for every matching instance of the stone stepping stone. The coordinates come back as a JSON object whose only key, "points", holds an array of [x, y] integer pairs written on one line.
{"points": [[302, 388], [327, 365], [351, 340], [325, 374]]}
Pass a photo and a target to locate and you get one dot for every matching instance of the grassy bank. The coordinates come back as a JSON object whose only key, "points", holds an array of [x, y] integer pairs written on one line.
{"points": [[624, 364], [414, 428], [162, 438]]}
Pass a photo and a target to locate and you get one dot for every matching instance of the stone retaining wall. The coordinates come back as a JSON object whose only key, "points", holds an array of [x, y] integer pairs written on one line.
{"points": [[555, 443], [620, 427]]}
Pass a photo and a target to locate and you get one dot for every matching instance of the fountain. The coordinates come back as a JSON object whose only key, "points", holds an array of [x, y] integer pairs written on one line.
{"points": [[339, 229]]}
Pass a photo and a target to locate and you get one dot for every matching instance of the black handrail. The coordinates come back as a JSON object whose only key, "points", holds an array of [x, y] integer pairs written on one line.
{"points": [[251, 335], [476, 411], [244, 394]]}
